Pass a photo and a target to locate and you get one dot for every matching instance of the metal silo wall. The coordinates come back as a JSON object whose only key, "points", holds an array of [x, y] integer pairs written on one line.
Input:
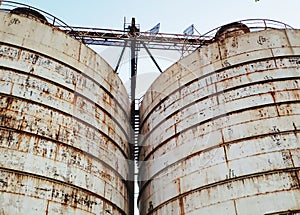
{"points": [[220, 129], [63, 124]]}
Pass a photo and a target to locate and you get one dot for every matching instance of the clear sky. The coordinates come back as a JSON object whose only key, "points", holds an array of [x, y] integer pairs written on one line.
{"points": [[174, 15]]}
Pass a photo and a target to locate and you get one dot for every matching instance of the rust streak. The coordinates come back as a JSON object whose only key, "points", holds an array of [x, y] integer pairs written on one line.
{"points": [[228, 181]]}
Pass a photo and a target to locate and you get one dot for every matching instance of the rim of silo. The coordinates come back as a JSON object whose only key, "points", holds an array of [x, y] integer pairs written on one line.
{"points": [[254, 25], [52, 20]]}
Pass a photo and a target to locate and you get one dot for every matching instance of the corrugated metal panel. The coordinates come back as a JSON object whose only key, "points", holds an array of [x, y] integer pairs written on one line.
{"points": [[64, 125], [221, 127]]}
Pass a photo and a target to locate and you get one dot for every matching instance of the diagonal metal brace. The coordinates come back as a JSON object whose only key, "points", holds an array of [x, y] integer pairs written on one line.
{"points": [[120, 58], [152, 58]]}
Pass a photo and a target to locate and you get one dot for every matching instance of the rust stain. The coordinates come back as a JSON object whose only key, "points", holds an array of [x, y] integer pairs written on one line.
{"points": [[39, 122], [241, 95], [181, 203]]}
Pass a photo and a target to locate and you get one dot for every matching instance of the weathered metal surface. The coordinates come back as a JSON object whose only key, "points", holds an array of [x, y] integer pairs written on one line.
{"points": [[64, 125], [220, 129]]}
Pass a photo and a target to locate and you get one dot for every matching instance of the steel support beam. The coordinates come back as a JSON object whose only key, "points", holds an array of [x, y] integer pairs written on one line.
{"points": [[120, 58], [152, 58]]}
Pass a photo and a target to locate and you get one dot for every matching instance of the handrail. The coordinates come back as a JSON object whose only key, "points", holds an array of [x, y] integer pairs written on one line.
{"points": [[52, 20], [254, 25], [157, 38]]}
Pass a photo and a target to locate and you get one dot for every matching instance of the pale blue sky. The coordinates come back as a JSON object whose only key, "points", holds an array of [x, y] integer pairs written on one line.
{"points": [[173, 15]]}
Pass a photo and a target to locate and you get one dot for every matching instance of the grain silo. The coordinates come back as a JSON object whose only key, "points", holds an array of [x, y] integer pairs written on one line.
{"points": [[220, 127], [64, 123]]}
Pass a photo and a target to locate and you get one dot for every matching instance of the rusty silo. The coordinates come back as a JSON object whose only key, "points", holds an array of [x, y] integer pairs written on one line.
{"points": [[221, 127], [63, 123]]}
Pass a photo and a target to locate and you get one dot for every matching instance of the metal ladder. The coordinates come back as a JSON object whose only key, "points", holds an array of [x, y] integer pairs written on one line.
{"points": [[135, 123]]}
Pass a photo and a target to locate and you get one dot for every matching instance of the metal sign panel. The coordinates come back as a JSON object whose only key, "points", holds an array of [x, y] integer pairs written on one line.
{"points": [[189, 30], [155, 29]]}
